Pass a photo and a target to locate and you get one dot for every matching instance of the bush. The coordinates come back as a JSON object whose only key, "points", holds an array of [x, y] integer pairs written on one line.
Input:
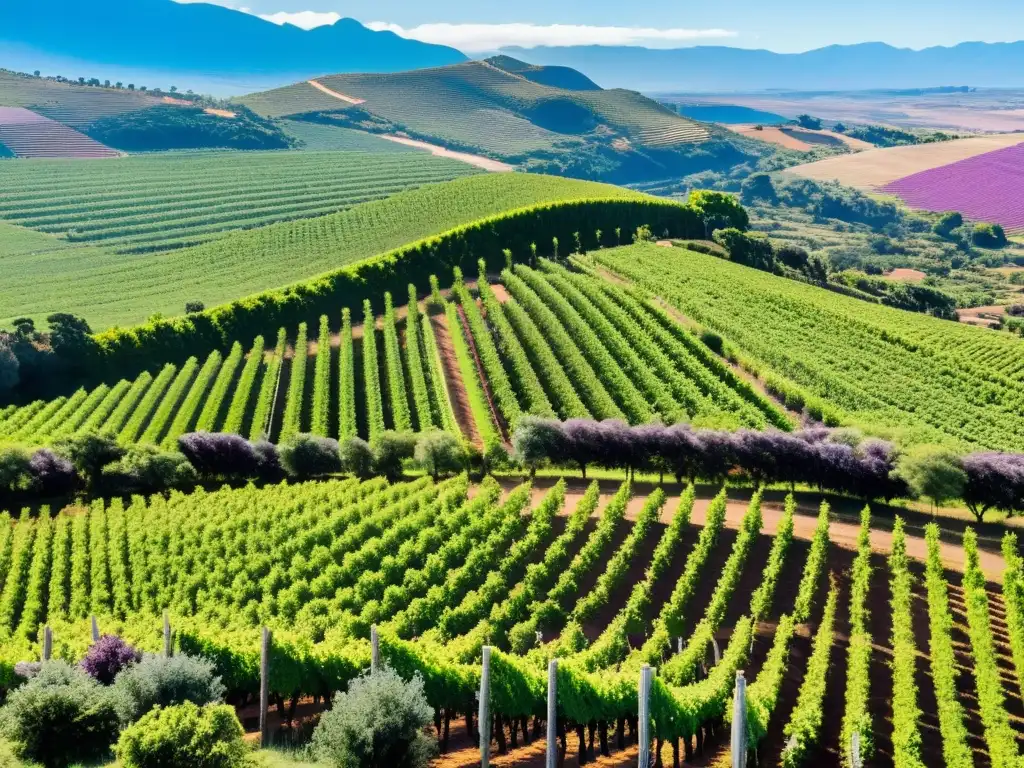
{"points": [[947, 223], [377, 723], [220, 455], [933, 472], [305, 456], [185, 735], [147, 469], [537, 440], [52, 475], [712, 341], [440, 452], [15, 468], [108, 656], [59, 717], [989, 235], [390, 452], [192, 307], [356, 457], [752, 250], [157, 681], [90, 452]]}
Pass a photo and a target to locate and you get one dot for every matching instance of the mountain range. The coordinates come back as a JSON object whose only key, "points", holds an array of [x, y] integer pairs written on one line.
{"points": [[206, 47], [837, 67]]}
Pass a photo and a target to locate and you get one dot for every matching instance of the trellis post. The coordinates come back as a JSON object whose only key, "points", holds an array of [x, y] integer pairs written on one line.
{"points": [[552, 749], [646, 675], [168, 649], [265, 687], [739, 722], [715, 649], [95, 629], [374, 650], [484, 714], [855, 750], [47, 643]]}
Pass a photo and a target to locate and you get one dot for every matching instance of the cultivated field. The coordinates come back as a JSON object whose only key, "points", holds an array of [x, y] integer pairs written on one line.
{"points": [[73, 105], [985, 187], [161, 202], [476, 105], [604, 578], [873, 169], [120, 289], [901, 372], [27, 134], [801, 139]]}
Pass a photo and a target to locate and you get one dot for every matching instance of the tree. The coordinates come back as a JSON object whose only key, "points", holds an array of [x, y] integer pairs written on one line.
{"points": [[808, 122], [36, 73], [989, 235], [194, 307], [933, 472], [948, 222], [356, 457], [839, 128], [757, 187], [10, 368], [537, 440], [69, 335], [306, 456], [90, 452], [709, 203], [174, 89], [390, 452], [753, 250], [439, 452]]}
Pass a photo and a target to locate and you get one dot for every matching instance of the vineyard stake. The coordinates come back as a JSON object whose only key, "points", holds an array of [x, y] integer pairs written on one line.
{"points": [[855, 750], [47, 643], [484, 715], [168, 650], [645, 716], [264, 687], [95, 629], [715, 649], [552, 750], [374, 650], [739, 722]]}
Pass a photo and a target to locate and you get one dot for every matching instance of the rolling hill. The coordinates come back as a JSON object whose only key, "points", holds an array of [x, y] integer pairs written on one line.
{"points": [[612, 135]]}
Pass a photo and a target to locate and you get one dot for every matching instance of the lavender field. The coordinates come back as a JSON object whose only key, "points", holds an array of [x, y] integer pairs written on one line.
{"points": [[989, 187]]}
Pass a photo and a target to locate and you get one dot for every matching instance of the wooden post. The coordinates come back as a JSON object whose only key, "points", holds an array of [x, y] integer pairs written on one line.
{"points": [[552, 746], [265, 687], [855, 750], [739, 722], [47, 643], [168, 649], [484, 715], [644, 729], [716, 651], [679, 644], [374, 650], [95, 629]]}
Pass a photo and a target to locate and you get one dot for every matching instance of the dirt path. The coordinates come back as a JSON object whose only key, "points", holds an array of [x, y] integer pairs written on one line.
{"points": [[495, 166], [484, 380], [453, 380], [335, 94]]}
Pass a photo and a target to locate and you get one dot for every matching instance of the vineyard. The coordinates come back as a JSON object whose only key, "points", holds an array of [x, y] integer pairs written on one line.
{"points": [[695, 584], [160, 202], [904, 374], [118, 289], [71, 104], [562, 344]]}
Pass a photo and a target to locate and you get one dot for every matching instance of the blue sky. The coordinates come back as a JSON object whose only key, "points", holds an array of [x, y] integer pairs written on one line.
{"points": [[779, 25]]}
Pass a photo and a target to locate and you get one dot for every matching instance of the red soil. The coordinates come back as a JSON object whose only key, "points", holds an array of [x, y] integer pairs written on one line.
{"points": [[453, 380]]}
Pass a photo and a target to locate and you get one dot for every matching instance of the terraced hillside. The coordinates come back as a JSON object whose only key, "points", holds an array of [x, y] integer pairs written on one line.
{"points": [[424, 366], [162, 202], [71, 104], [27, 134], [120, 289], [901, 373], [603, 579], [479, 107]]}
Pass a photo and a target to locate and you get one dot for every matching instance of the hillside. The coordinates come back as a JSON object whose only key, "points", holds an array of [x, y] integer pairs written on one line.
{"points": [[109, 288], [614, 135], [557, 77], [218, 45]]}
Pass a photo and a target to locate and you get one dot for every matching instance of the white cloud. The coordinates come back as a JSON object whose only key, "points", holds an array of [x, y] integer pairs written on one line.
{"points": [[304, 19], [474, 38]]}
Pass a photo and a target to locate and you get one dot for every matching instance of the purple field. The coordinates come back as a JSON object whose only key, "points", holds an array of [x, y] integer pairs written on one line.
{"points": [[988, 187]]}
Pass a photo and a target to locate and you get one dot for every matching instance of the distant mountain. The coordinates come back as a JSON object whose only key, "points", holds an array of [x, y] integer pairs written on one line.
{"points": [[208, 42], [557, 77], [837, 67]]}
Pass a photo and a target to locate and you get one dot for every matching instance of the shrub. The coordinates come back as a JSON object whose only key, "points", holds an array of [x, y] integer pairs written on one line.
{"points": [[310, 456], [157, 681], [192, 307], [440, 452], [752, 250], [268, 460], [108, 656], [147, 469], [712, 341], [989, 235], [377, 723], [537, 440], [390, 452], [90, 452], [185, 735], [934, 473], [52, 475], [15, 468], [59, 717], [356, 457], [219, 454], [947, 223]]}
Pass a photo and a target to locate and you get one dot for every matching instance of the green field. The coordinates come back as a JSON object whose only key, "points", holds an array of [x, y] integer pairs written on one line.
{"points": [[160, 202], [320, 136], [121, 289], [476, 105], [897, 372]]}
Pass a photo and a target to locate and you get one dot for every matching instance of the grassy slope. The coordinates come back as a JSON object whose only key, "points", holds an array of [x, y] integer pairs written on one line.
{"points": [[895, 372], [110, 289], [158, 202], [66, 103], [476, 105], [318, 136]]}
